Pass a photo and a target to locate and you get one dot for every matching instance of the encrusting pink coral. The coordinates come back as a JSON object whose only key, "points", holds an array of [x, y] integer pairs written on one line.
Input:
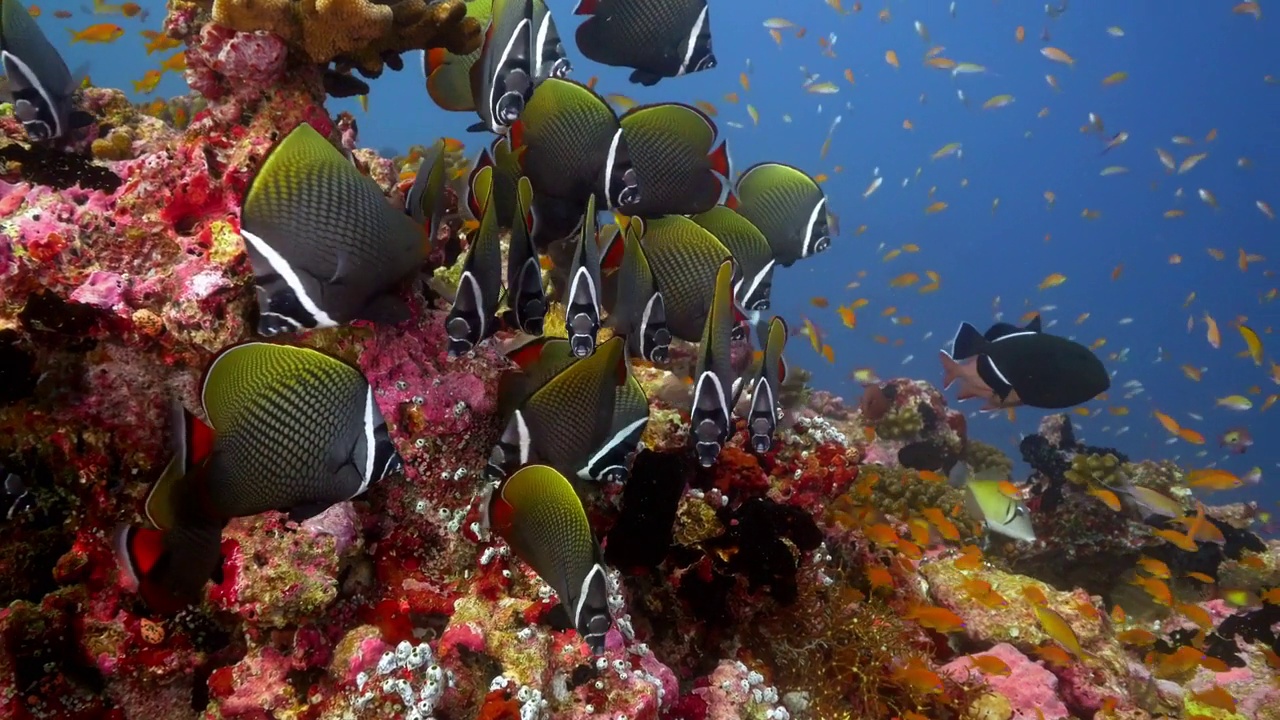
{"points": [[1030, 688]]}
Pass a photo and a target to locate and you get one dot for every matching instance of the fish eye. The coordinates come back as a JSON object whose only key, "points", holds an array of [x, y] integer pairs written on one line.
{"points": [[562, 67], [738, 333], [823, 243], [630, 195], [761, 304]]}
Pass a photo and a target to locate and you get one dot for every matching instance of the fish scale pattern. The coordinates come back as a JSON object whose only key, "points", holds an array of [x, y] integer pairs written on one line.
{"points": [[669, 144], [567, 133], [684, 258], [315, 208], [267, 438], [779, 199], [552, 531], [569, 437]]}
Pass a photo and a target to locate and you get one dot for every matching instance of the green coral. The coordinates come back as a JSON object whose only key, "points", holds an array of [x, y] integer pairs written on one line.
{"points": [[980, 456], [902, 422], [1093, 470], [902, 493]]}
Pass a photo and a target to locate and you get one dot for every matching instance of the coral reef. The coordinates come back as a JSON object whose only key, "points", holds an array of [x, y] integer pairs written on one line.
{"points": [[838, 575], [363, 33]]}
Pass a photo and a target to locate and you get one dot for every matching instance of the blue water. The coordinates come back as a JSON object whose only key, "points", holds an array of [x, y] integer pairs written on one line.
{"points": [[1191, 69]]}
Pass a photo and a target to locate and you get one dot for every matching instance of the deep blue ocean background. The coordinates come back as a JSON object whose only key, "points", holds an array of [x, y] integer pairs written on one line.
{"points": [[1193, 67]]}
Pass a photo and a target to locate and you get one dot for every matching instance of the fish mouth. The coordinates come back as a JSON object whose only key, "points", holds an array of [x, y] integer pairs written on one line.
{"points": [[509, 107], [561, 69], [460, 333]]}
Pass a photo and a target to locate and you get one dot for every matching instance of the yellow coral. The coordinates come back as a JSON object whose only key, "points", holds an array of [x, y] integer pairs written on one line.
{"points": [[980, 456], [358, 31], [1089, 470], [118, 145], [900, 423]]}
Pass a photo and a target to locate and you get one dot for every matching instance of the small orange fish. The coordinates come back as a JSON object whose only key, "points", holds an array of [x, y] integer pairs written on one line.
{"points": [[914, 674], [1137, 637], [879, 577], [1053, 280], [1107, 497], [1155, 567], [100, 33], [935, 618], [945, 527], [1020, 34], [882, 534], [1053, 655], [1195, 614], [1216, 697], [891, 57], [1177, 539], [990, 664], [970, 558], [176, 63], [1057, 55]]}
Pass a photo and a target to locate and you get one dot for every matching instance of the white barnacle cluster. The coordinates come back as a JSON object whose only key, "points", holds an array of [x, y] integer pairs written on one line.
{"points": [[751, 686], [532, 705], [493, 552], [625, 672], [822, 431], [409, 674], [453, 519]]}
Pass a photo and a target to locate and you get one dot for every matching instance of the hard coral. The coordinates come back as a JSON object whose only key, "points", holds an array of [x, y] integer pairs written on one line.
{"points": [[362, 32]]}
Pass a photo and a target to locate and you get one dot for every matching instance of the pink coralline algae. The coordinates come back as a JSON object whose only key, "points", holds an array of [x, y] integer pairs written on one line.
{"points": [[1030, 688], [222, 60]]}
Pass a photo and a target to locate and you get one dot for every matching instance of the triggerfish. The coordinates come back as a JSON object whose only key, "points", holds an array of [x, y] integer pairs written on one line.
{"points": [[987, 503], [711, 419], [537, 511], [787, 206], [325, 245], [36, 79], [290, 428], [1046, 371], [656, 38]]}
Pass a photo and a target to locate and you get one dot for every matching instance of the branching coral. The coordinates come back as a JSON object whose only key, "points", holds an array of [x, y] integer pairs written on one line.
{"points": [[365, 33], [842, 651]]}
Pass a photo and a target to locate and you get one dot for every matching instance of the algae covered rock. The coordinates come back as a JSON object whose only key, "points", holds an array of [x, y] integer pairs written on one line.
{"points": [[363, 32]]}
